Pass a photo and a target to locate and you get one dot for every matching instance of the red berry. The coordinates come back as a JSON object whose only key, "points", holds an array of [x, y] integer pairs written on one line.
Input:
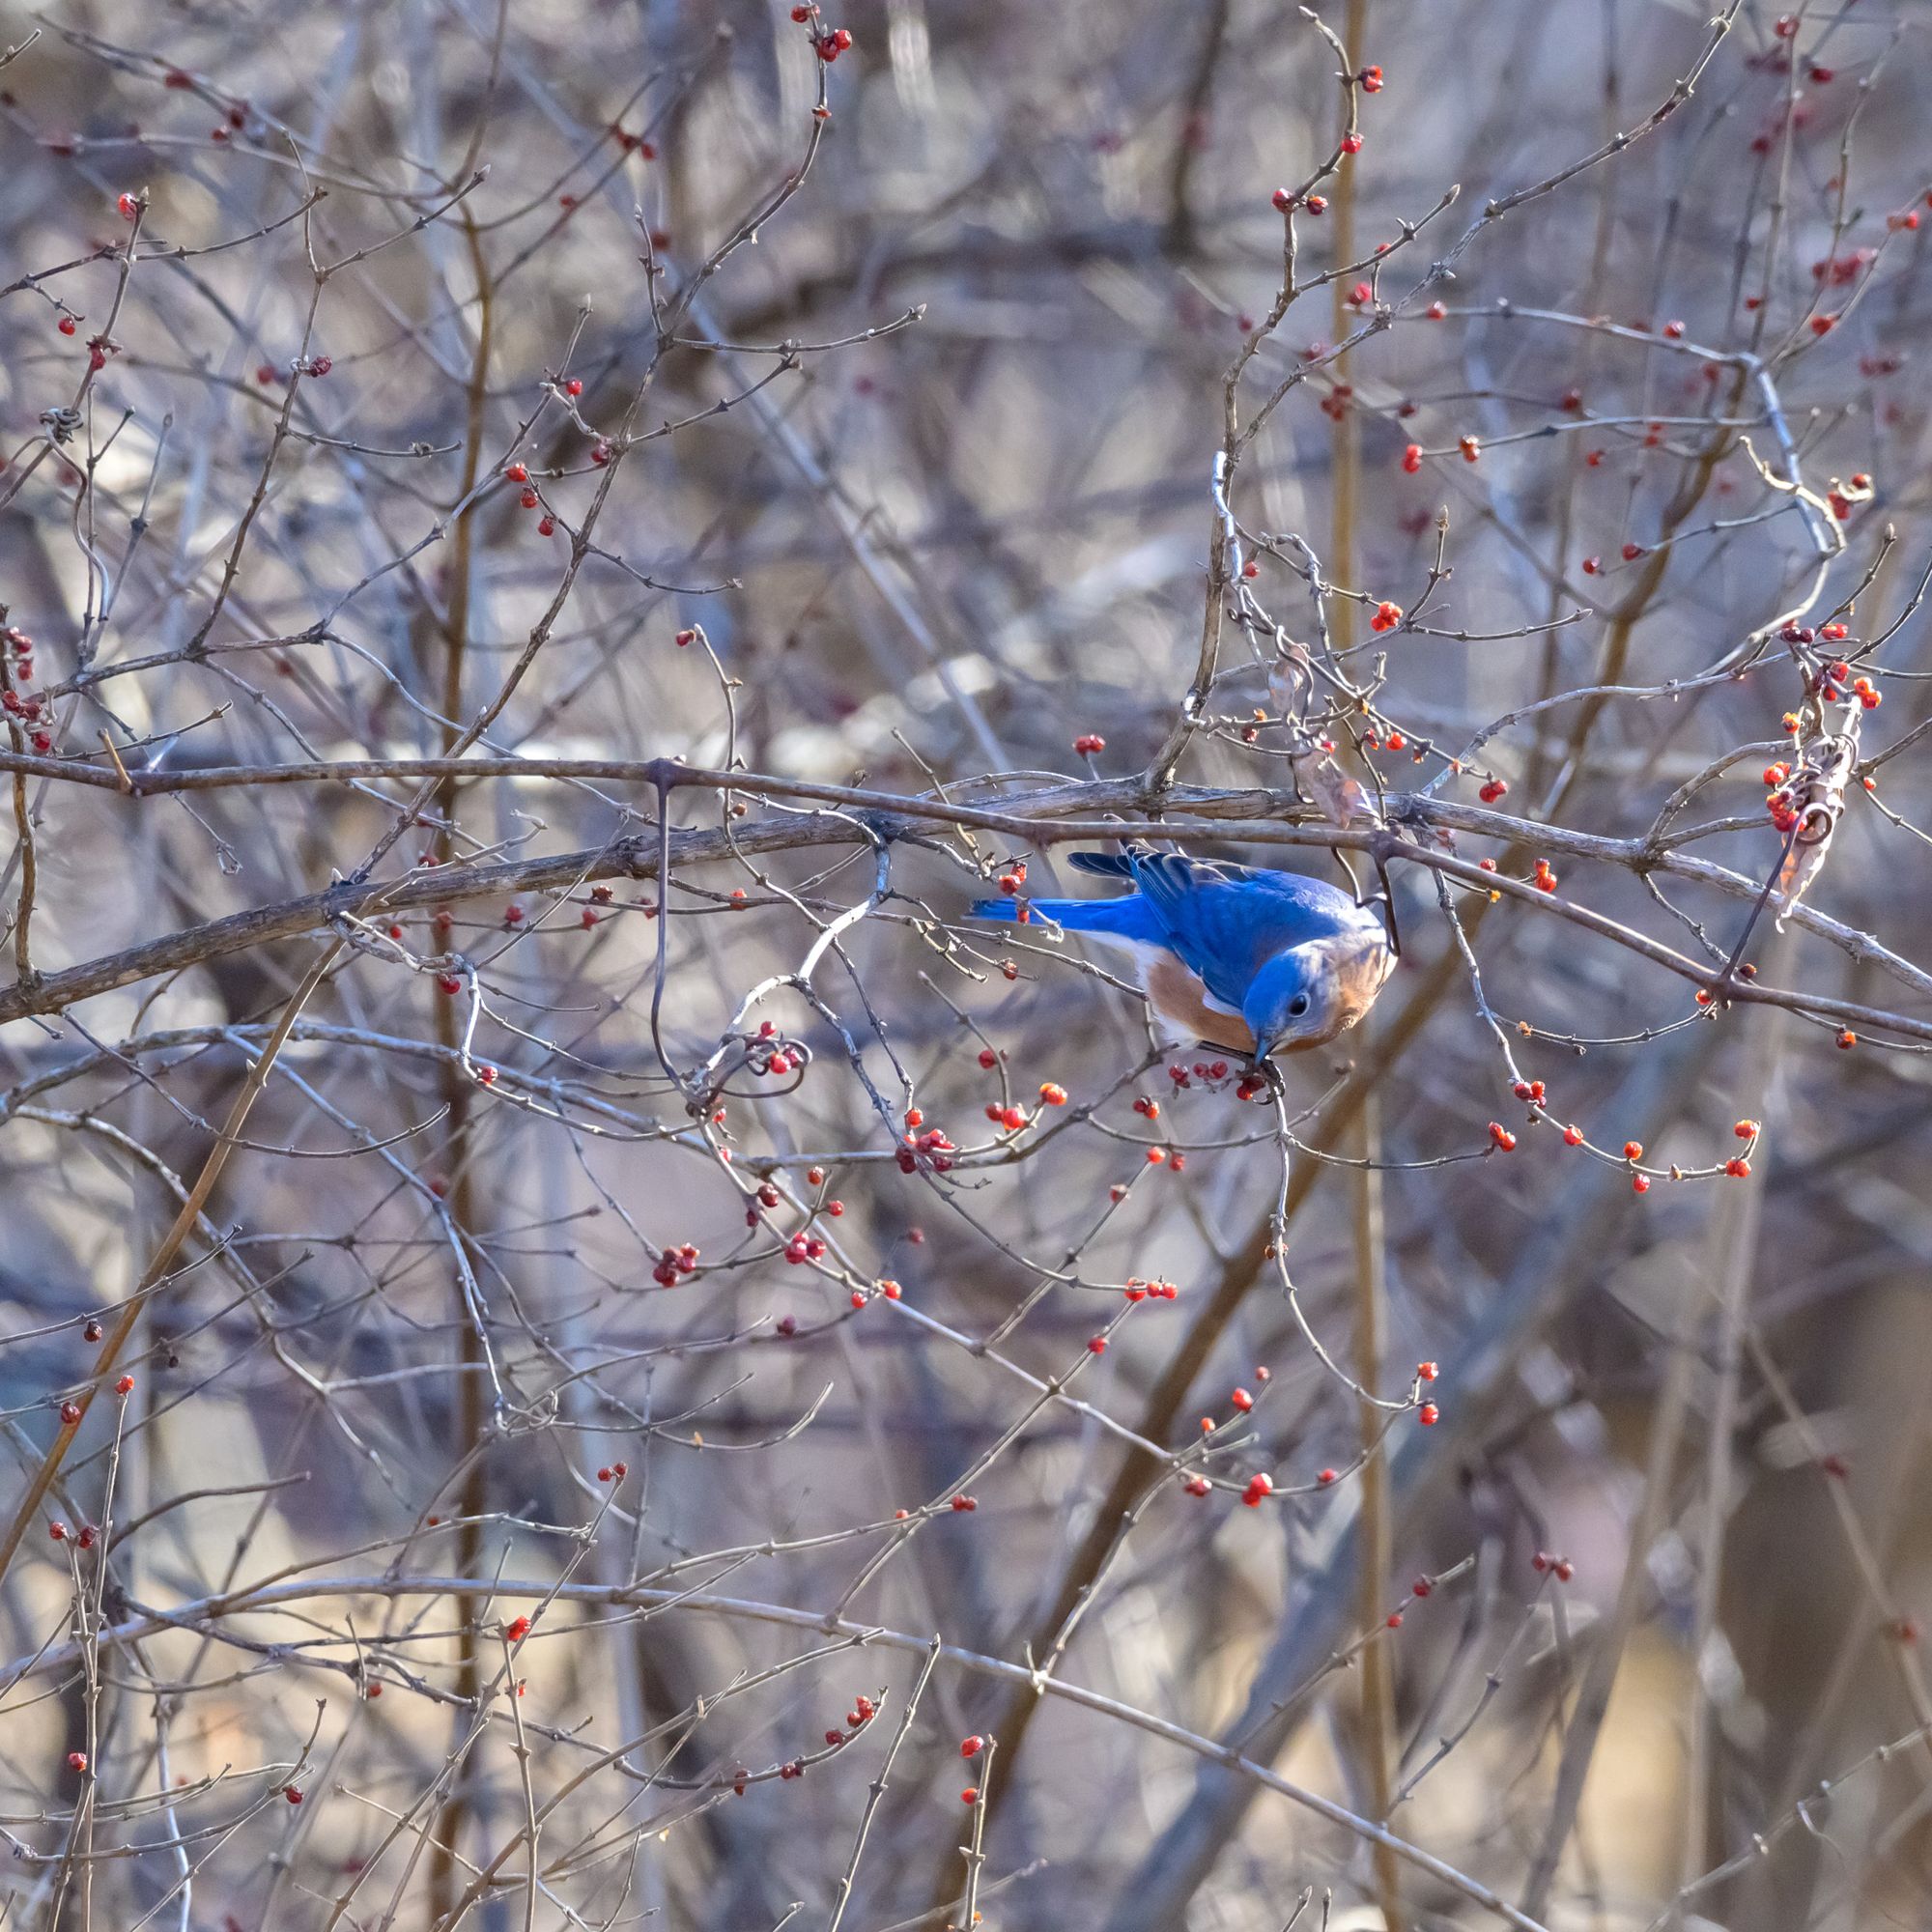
{"points": [[1639, 1183], [1502, 1137], [1326, 1477], [972, 1746], [76, 1760], [1259, 1488], [1428, 1371], [70, 1413], [964, 1503], [1242, 1399], [124, 1386], [66, 324], [1633, 1149], [129, 206], [1411, 458], [1428, 1415]]}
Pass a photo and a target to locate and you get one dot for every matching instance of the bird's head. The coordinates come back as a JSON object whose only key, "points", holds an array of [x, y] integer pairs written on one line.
{"points": [[1297, 999]]}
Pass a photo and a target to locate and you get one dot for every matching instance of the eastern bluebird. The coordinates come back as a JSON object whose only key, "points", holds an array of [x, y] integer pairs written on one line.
{"points": [[1254, 961]]}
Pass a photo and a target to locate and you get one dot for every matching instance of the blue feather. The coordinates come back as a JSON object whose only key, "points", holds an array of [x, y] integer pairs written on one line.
{"points": [[1252, 937], [1129, 917]]}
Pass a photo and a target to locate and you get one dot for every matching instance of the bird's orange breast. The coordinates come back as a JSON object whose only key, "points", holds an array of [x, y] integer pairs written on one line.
{"points": [[1175, 993]]}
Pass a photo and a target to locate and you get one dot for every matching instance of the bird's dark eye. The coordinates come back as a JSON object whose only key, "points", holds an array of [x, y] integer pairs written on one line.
{"points": [[1297, 1005]]}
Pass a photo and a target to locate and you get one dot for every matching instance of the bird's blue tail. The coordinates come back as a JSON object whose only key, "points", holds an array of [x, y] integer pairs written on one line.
{"points": [[1128, 918]]}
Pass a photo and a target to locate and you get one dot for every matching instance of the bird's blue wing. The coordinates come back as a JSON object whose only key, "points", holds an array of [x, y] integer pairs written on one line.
{"points": [[1226, 920]]}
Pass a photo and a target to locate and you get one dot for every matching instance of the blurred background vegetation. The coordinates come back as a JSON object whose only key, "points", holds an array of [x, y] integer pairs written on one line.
{"points": [[925, 465]]}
